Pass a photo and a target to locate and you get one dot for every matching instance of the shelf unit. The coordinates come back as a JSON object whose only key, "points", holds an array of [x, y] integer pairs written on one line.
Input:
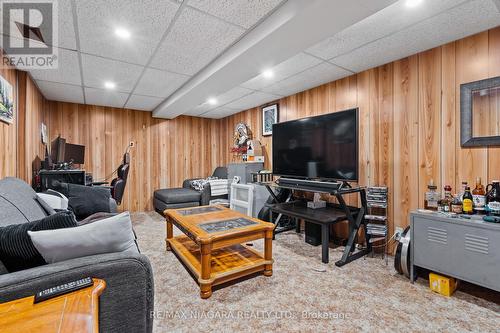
{"points": [[376, 217]]}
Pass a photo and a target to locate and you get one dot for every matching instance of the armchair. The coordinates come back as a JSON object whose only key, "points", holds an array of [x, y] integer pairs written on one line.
{"points": [[186, 196]]}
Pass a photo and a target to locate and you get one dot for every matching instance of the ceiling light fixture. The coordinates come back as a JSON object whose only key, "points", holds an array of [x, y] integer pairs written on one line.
{"points": [[122, 33], [109, 85], [268, 74], [413, 3], [212, 101]]}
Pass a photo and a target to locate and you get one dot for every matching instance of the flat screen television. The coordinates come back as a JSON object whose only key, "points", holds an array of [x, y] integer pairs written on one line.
{"points": [[321, 147]]}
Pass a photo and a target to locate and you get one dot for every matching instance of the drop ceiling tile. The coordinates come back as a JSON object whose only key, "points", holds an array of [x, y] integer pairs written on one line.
{"points": [[309, 78], [68, 70], [232, 95], [159, 83], [146, 20], [61, 92], [241, 12], [253, 100], [97, 70], [105, 97], [195, 40], [143, 103], [383, 23], [292, 66], [467, 19], [220, 113]]}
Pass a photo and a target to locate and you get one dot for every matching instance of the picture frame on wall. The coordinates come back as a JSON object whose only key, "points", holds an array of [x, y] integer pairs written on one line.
{"points": [[6, 101], [270, 116]]}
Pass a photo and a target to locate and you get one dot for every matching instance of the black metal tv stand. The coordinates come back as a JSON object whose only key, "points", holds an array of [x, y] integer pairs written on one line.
{"points": [[328, 215]]}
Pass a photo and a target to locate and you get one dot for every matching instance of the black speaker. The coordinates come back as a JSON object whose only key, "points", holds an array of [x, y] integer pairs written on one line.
{"points": [[313, 233]]}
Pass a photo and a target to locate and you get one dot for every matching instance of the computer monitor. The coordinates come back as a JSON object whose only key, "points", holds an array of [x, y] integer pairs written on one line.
{"points": [[74, 153], [57, 148]]}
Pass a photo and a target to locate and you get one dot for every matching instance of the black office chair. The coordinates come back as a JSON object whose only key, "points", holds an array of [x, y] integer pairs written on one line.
{"points": [[117, 185]]}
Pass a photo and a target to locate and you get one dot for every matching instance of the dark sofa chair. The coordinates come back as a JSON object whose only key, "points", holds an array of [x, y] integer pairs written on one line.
{"points": [[126, 303], [186, 196]]}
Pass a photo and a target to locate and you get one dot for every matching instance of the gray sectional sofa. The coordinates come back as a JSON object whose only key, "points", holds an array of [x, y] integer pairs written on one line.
{"points": [[127, 302]]}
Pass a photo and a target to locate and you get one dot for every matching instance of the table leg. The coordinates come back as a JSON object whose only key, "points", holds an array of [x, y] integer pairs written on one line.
{"points": [[268, 252], [170, 234], [325, 240], [206, 267], [297, 225]]}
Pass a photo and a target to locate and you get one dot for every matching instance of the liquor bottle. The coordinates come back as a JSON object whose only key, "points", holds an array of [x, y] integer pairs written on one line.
{"points": [[431, 197], [456, 205], [444, 204], [493, 198], [461, 194], [467, 202], [479, 196]]}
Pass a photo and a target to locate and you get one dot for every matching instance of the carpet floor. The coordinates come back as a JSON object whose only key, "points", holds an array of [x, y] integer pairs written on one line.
{"points": [[304, 295]]}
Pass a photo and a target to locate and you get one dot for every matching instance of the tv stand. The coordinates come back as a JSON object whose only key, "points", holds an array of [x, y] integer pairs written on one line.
{"points": [[328, 215]]}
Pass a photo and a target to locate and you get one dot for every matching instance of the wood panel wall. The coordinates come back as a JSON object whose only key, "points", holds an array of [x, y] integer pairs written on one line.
{"points": [[165, 153], [409, 120], [20, 143], [8, 132]]}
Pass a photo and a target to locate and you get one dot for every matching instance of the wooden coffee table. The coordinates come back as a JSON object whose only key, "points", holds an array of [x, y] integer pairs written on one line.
{"points": [[212, 246]]}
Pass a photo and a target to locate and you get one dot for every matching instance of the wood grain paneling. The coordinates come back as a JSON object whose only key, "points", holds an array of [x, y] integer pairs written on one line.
{"points": [[165, 153], [409, 120]]}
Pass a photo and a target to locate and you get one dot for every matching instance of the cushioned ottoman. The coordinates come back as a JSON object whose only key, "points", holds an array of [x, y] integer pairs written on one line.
{"points": [[175, 198]]}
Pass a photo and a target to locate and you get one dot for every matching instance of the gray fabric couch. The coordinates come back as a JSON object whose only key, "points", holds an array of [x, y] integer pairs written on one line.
{"points": [[127, 301]]}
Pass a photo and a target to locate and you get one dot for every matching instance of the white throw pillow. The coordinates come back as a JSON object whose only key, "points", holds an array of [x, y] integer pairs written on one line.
{"points": [[54, 201], [109, 235]]}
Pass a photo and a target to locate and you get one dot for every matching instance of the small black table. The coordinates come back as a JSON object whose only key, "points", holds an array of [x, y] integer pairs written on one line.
{"points": [[331, 214], [324, 217]]}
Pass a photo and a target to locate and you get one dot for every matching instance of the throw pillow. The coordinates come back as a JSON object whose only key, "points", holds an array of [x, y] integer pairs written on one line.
{"points": [[96, 217], [45, 206], [17, 251], [113, 234]]}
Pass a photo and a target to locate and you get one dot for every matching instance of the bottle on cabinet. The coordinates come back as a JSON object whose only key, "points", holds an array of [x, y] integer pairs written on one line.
{"points": [[431, 197], [444, 204], [468, 202], [479, 197], [493, 198]]}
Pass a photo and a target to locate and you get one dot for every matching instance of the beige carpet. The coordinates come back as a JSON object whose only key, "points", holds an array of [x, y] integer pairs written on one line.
{"points": [[307, 296]]}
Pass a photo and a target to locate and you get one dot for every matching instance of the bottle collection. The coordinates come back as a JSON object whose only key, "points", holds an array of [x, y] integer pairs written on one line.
{"points": [[481, 200]]}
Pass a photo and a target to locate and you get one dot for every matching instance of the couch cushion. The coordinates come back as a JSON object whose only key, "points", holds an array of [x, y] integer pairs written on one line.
{"points": [[17, 251], [113, 234], [177, 195], [18, 202], [160, 206]]}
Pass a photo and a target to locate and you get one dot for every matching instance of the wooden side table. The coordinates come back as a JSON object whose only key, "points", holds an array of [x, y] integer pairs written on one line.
{"points": [[76, 312]]}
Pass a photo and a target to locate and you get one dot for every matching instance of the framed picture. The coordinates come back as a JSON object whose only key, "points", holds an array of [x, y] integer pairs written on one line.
{"points": [[6, 101], [269, 117]]}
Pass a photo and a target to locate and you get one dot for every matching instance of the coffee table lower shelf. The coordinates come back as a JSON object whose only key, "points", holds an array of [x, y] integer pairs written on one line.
{"points": [[226, 264]]}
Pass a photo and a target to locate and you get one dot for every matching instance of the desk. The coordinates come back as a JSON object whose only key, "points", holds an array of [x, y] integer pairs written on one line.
{"points": [[49, 177], [74, 312]]}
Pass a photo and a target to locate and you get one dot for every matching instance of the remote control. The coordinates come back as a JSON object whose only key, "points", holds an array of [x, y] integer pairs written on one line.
{"points": [[63, 289]]}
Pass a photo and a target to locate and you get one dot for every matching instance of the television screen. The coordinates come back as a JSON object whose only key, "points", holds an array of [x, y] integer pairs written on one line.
{"points": [[321, 147]]}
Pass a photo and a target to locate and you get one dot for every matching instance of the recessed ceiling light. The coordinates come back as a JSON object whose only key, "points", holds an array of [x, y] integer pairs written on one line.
{"points": [[413, 3], [212, 101], [268, 74], [109, 85], [122, 33]]}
